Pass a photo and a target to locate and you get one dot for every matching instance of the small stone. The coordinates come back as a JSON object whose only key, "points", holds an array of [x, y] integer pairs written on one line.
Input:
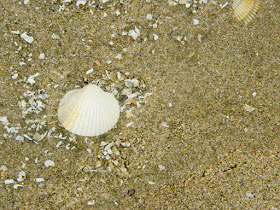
{"points": [[131, 192], [164, 124], [91, 203], [17, 186], [21, 176], [133, 101], [3, 168], [27, 38], [97, 62], [182, 2], [161, 168], [248, 108], [49, 163], [155, 37], [9, 181], [195, 22], [19, 138], [81, 2], [36, 136], [89, 71], [134, 33], [40, 179], [149, 17], [42, 56]]}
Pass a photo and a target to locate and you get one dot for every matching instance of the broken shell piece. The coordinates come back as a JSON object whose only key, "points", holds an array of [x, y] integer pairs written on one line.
{"points": [[244, 10], [88, 111]]}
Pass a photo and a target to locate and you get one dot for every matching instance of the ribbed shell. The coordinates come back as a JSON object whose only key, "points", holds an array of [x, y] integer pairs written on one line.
{"points": [[88, 111], [244, 10]]}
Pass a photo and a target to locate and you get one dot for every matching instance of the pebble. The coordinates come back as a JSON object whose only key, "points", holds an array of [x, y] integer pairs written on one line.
{"points": [[9, 181], [155, 37], [134, 33], [27, 38], [248, 108], [17, 186], [195, 22], [3, 168], [40, 179], [149, 17], [91, 203], [21, 176], [81, 2], [161, 167], [42, 56], [49, 163], [89, 71]]}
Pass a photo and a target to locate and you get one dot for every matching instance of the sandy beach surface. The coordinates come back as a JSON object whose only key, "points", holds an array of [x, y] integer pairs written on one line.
{"points": [[201, 133]]}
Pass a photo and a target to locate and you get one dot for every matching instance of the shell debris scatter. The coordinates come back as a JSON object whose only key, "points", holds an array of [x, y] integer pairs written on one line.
{"points": [[244, 10], [88, 111]]}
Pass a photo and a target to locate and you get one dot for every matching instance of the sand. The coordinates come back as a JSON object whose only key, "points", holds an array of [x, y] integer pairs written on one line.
{"points": [[207, 137]]}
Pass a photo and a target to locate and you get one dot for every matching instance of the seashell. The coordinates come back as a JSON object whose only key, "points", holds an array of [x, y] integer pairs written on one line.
{"points": [[244, 10], [88, 111]]}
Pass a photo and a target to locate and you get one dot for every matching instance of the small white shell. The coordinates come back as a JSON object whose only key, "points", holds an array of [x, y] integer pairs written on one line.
{"points": [[244, 10], [88, 111]]}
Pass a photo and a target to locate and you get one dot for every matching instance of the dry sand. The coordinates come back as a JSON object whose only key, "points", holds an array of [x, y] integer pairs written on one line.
{"points": [[194, 144]]}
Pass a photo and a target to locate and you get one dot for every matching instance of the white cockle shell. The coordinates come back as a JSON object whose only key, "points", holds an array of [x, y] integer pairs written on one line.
{"points": [[88, 111]]}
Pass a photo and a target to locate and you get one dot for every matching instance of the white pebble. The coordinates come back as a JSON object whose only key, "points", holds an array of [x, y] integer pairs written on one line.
{"points": [[161, 168], [17, 186], [248, 108], [125, 144], [81, 2], [250, 195], [89, 71], [119, 56], [164, 124], [9, 181], [15, 32], [129, 124], [195, 22], [19, 138], [27, 38], [15, 76], [21, 176], [149, 17], [134, 33], [40, 179], [155, 37], [48, 163], [42, 56], [3, 168], [58, 144], [91, 203], [4, 120], [103, 143]]}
